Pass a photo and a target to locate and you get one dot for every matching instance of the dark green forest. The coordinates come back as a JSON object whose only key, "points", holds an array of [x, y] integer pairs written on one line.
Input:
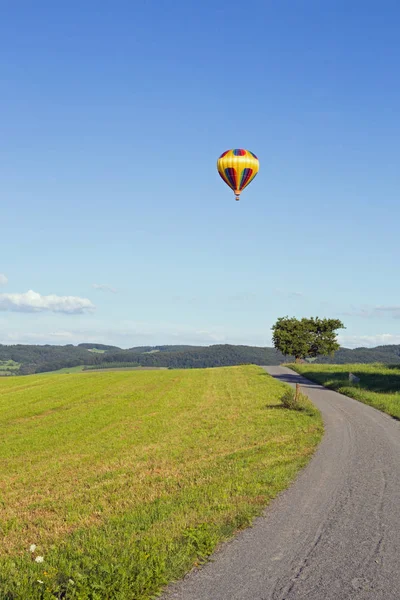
{"points": [[379, 354], [38, 359]]}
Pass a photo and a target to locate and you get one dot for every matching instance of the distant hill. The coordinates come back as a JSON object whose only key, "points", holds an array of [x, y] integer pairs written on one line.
{"points": [[178, 348], [187, 357], [98, 347], [381, 354], [36, 359]]}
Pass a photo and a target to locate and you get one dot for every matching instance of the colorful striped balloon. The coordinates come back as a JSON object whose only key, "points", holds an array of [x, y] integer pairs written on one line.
{"points": [[238, 168]]}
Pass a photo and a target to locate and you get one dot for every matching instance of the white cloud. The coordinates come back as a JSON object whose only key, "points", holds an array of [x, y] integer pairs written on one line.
{"points": [[55, 329], [357, 312], [33, 302], [368, 341], [135, 336], [373, 312], [33, 338], [104, 287], [141, 333], [3, 279], [394, 311]]}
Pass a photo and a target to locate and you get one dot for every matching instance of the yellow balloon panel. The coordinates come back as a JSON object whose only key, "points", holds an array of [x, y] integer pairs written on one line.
{"points": [[238, 168]]}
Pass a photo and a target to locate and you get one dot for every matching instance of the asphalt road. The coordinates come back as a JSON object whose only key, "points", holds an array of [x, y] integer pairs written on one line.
{"points": [[334, 534]]}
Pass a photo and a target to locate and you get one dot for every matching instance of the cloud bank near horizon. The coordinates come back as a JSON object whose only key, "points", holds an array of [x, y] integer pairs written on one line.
{"points": [[142, 334], [369, 341]]}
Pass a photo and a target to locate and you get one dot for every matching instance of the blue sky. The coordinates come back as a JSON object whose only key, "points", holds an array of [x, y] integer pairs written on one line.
{"points": [[115, 226]]}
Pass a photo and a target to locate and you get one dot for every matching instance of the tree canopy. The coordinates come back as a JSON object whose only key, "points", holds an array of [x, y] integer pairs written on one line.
{"points": [[307, 337]]}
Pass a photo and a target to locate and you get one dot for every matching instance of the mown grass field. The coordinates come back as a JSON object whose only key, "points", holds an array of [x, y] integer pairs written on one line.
{"points": [[379, 385], [125, 480], [102, 368], [116, 367], [77, 369]]}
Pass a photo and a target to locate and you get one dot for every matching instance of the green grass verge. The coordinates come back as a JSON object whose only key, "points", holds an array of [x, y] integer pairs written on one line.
{"points": [[126, 480], [379, 385]]}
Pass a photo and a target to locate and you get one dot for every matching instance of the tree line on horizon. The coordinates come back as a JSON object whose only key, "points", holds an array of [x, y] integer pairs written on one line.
{"points": [[38, 359]]}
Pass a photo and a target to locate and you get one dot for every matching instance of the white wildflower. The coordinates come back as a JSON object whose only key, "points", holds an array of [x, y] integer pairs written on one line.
{"points": [[32, 548], [71, 581], [39, 559], [40, 581]]}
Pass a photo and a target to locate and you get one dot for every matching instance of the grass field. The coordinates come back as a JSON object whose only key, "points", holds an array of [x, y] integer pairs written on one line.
{"points": [[95, 369], [8, 367], [125, 480], [103, 368], [77, 369], [379, 385]]}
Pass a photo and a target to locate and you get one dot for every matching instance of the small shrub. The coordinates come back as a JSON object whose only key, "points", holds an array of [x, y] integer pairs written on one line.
{"points": [[302, 403], [288, 399]]}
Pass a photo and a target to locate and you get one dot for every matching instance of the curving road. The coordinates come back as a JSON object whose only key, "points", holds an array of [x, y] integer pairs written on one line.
{"points": [[334, 534]]}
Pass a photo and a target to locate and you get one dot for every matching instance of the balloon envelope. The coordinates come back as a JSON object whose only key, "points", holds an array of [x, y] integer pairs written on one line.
{"points": [[238, 168]]}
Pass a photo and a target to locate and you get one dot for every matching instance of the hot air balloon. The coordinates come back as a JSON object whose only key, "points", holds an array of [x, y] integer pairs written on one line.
{"points": [[238, 168]]}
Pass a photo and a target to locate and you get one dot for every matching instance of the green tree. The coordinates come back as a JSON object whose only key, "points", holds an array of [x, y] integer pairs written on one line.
{"points": [[306, 338]]}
